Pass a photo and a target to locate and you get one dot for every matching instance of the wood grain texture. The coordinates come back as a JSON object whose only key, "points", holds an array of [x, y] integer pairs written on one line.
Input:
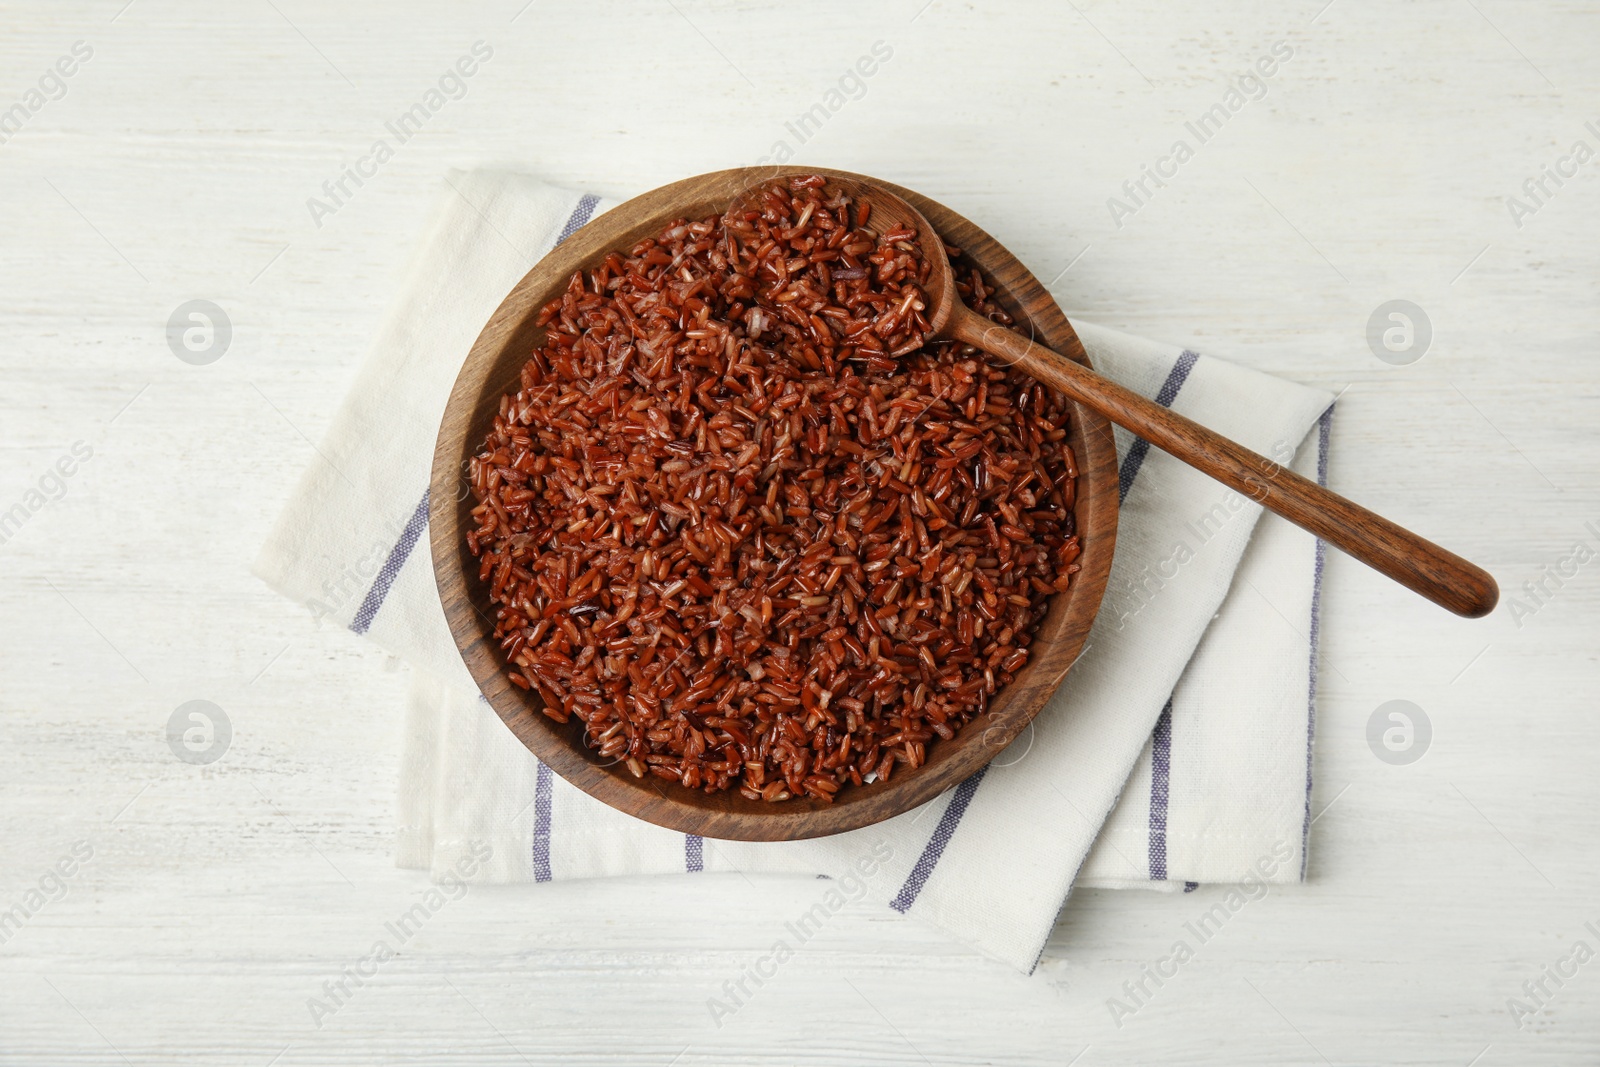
{"points": [[1392, 550], [222, 897], [491, 369]]}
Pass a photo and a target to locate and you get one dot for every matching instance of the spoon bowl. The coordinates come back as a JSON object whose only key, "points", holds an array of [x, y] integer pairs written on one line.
{"points": [[887, 211]]}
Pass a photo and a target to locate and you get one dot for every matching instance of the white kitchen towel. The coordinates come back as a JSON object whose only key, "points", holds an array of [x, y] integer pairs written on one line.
{"points": [[1192, 703]]}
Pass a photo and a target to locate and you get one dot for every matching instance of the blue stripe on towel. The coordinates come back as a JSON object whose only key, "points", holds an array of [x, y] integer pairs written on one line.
{"points": [[1324, 429], [1160, 781], [1140, 447], [419, 518], [391, 568], [935, 847], [1161, 739], [543, 794], [580, 215]]}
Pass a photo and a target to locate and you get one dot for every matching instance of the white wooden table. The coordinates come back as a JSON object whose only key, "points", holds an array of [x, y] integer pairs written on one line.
{"points": [[219, 898]]}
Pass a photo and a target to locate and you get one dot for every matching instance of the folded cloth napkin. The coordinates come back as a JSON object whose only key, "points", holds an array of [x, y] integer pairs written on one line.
{"points": [[1177, 750]]}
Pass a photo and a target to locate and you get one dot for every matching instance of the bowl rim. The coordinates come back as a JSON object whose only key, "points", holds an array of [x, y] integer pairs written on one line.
{"points": [[503, 342]]}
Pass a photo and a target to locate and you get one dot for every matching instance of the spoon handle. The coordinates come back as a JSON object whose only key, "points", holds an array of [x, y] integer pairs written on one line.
{"points": [[1413, 561]]}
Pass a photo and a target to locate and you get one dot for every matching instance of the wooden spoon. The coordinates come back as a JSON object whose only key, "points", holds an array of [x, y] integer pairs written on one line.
{"points": [[1413, 561]]}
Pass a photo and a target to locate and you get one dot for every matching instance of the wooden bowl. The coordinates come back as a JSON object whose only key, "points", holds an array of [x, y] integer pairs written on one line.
{"points": [[491, 370]]}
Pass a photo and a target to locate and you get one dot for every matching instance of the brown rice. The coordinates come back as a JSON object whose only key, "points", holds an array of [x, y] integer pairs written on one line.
{"points": [[744, 522]]}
